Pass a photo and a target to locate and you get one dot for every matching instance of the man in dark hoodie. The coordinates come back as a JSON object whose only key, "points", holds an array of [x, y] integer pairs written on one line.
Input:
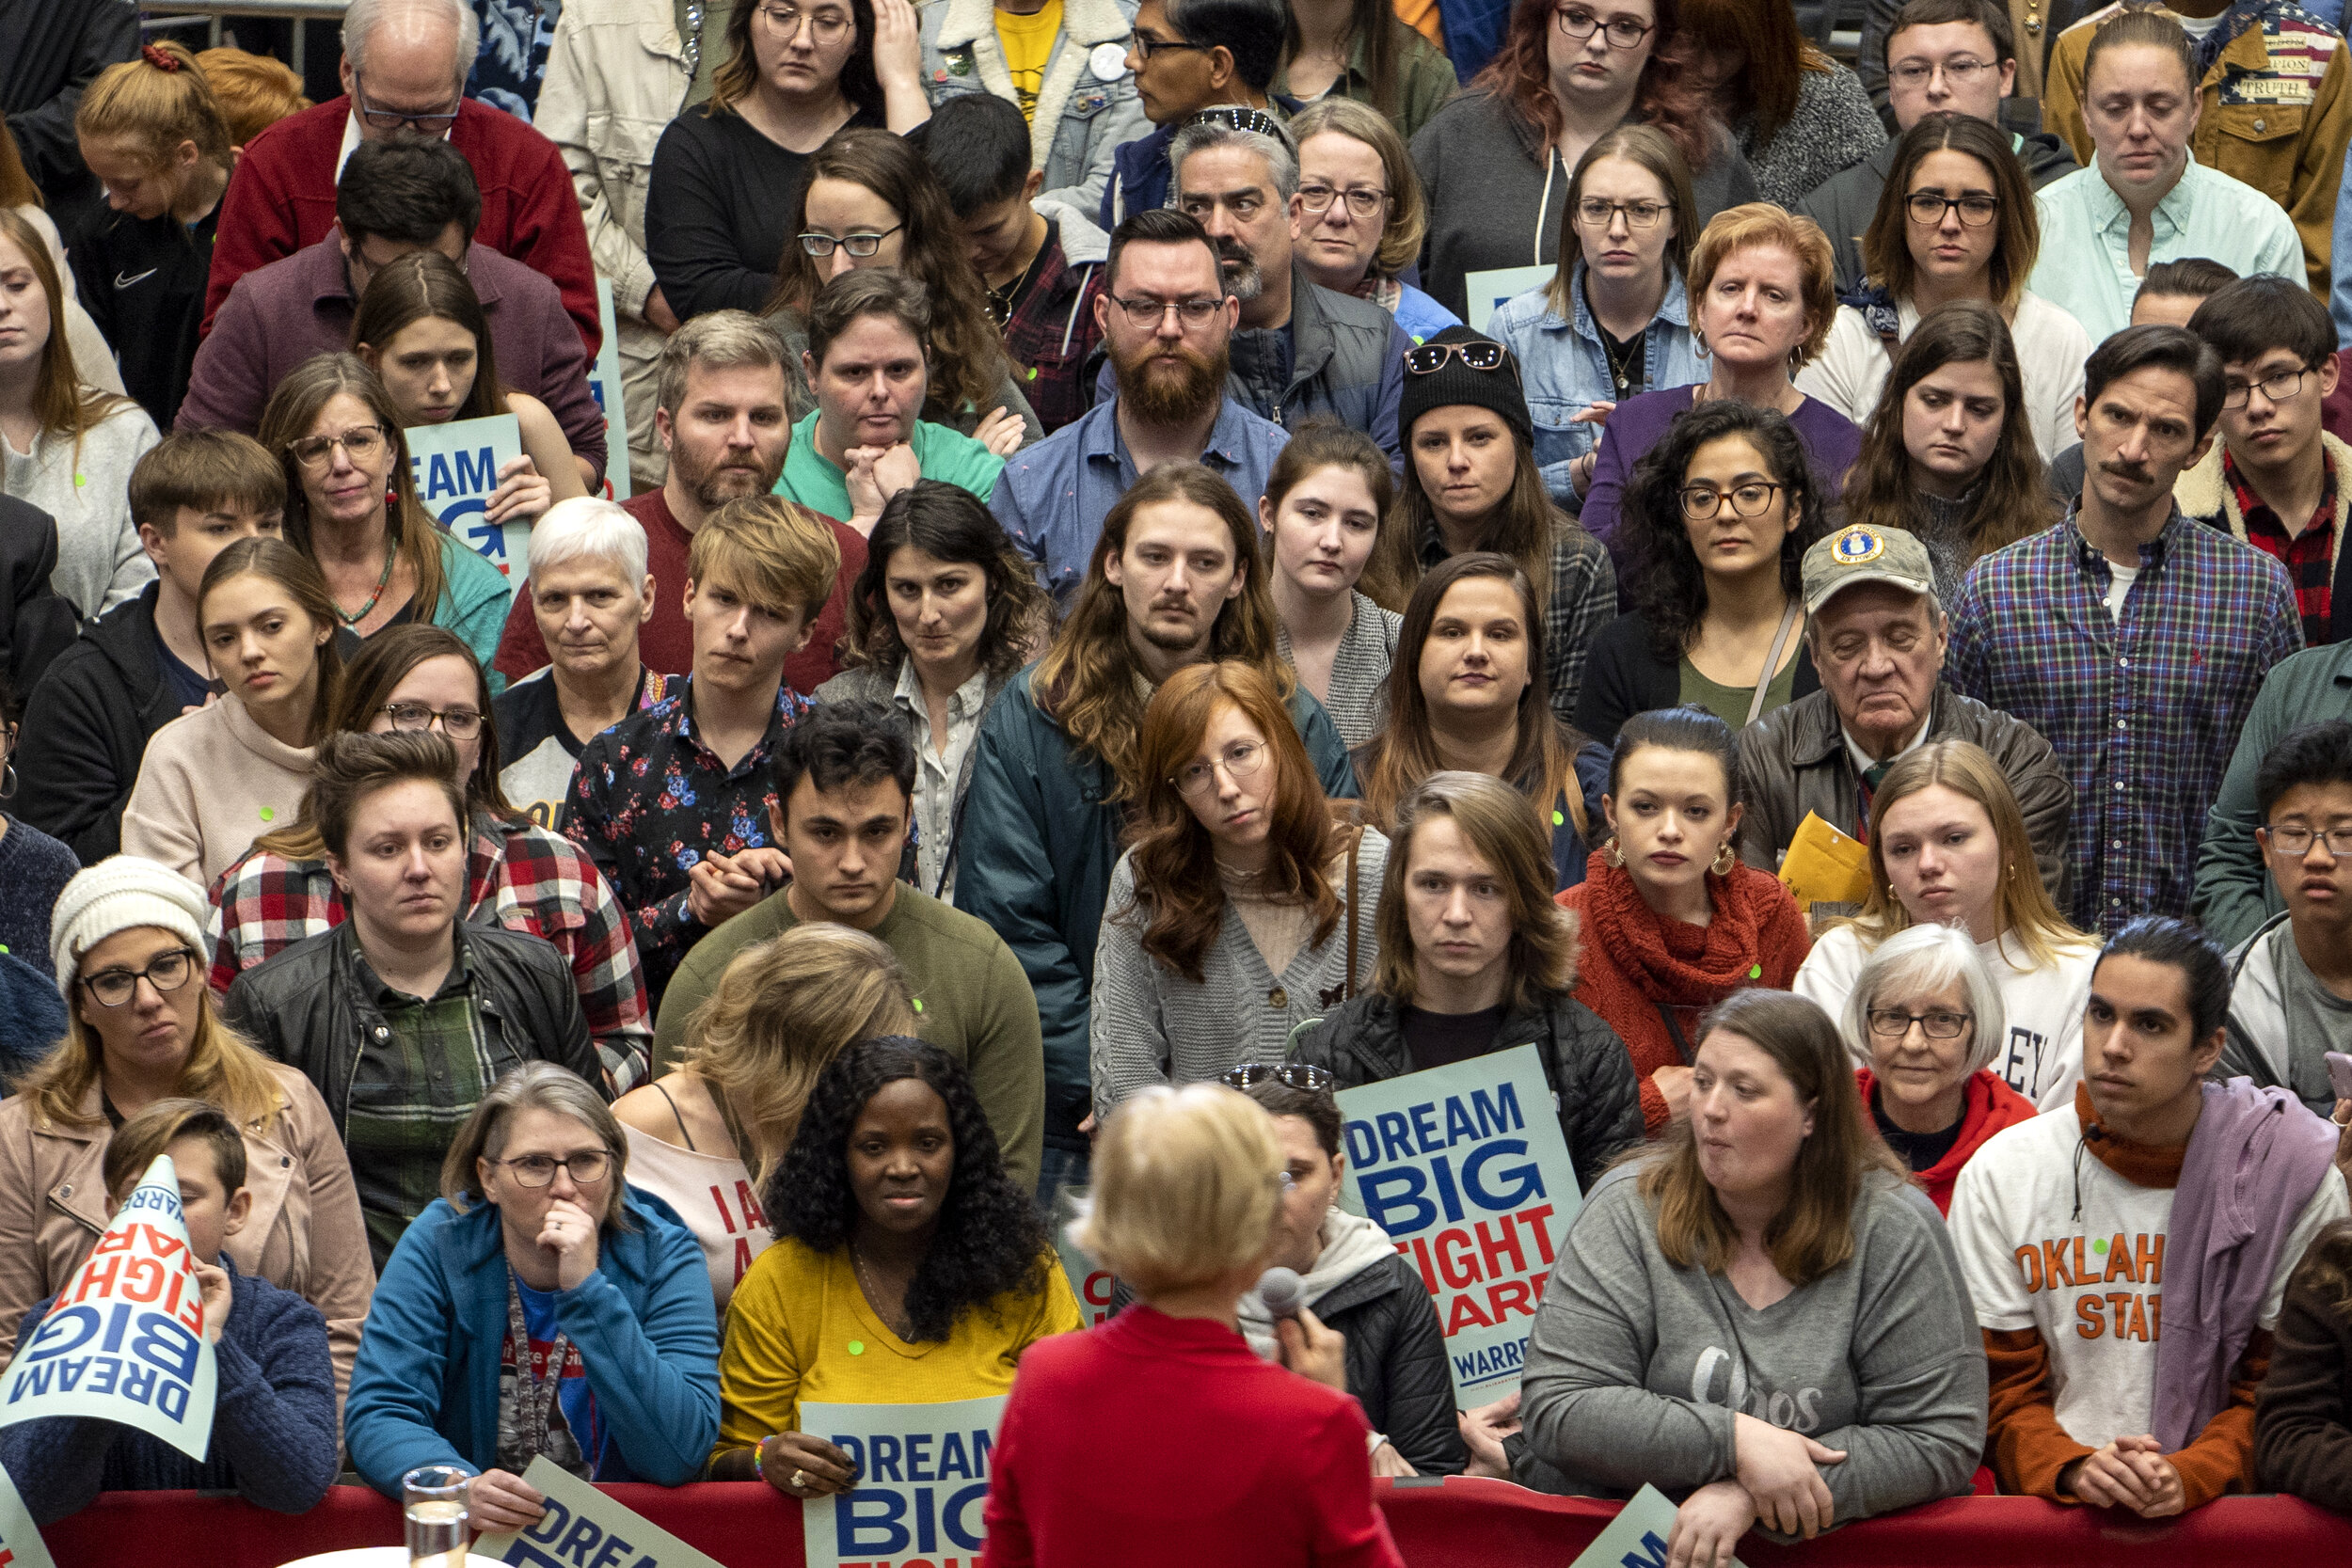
{"points": [[1950, 56], [142, 664]]}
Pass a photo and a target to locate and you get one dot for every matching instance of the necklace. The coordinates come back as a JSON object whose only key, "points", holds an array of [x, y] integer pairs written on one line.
{"points": [[353, 617], [1001, 302], [873, 1298]]}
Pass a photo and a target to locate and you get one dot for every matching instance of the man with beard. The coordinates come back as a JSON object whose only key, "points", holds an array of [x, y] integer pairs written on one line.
{"points": [[1172, 581], [723, 423], [1166, 319]]}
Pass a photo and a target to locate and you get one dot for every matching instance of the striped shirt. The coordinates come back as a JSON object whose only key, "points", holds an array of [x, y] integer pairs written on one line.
{"points": [[2143, 711], [1358, 698], [1582, 599]]}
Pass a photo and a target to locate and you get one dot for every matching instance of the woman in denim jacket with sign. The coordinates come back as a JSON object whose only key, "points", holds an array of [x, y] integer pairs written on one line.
{"points": [[1614, 321]]}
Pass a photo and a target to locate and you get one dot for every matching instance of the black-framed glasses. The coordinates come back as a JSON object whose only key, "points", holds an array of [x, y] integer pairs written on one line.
{"points": [[2274, 389], [1893, 1023], [865, 243], [361, 443], [537, 1170], [166, 971], [825, 27], [2294, 838], [1235, 116], [1241, 760], [1291, 1076], [1701, 501], [1148, 313], [1927, 208], [1429, 358], [1363, 203], [1622, 32], [1961, 72], [396, 119], [1594, 213], [458, 723]]}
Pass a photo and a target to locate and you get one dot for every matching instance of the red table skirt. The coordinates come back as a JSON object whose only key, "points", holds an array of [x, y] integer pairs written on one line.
{"points": [[1461, 1523]]}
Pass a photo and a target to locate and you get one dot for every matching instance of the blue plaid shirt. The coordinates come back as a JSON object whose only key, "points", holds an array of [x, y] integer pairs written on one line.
{"points": [[2144, 713]]}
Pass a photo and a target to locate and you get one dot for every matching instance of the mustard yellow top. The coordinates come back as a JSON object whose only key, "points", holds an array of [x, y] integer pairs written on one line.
{"points": [[800, 1327], [1029, 42]]}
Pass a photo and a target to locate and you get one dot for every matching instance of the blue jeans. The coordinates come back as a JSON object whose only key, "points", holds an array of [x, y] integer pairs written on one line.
{"points": [[1057, 1169]]}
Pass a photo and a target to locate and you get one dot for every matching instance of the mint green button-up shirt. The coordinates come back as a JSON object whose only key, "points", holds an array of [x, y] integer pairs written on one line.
{"points": [[2085, 267]]}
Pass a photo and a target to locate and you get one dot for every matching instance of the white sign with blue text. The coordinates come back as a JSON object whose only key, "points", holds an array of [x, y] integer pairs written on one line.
{"points": [[457, 466], [1637, 1537], [1464, 1167], [604, 384], [21, 1545], [124, 1340], [922, 1486], [583, 1526]]}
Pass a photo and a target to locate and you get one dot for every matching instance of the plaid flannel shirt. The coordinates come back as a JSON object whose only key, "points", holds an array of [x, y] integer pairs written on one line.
{"points": [[1051, 332], [2310, 557], [523, 877], [1582, 599], [2143, 714]]}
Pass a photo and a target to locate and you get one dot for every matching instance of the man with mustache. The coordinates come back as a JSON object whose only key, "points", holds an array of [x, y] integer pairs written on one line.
{"points": [[723, 421], [1167, 319], [2131, 637]]}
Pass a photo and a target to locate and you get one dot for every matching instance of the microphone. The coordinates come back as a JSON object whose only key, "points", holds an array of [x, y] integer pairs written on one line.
{"points": [[1281, 1292]]}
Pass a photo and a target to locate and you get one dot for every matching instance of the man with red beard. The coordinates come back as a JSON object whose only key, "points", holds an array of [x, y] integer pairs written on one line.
{"points": [[723, 421], [1166, 319]]}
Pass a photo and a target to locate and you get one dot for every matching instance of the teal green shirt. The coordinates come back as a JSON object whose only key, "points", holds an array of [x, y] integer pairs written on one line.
{"points": [[817, 482], [2084, 266]]}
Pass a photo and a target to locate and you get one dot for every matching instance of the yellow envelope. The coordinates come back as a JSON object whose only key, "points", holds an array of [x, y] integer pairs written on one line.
{"points": [[1825, 867]]}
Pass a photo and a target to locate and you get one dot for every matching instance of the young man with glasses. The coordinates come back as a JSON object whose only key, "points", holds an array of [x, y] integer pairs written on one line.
{"points": [[1189, 55], [403, 74], [1168, 322]]}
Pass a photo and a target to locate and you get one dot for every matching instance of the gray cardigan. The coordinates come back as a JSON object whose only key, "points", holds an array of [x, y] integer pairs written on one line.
{"points": [[1151, 1025], [1359, 698]]}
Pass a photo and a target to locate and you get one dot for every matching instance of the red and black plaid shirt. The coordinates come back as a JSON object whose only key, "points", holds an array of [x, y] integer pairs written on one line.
{"points": [[1051, 333], [2310, 557]]}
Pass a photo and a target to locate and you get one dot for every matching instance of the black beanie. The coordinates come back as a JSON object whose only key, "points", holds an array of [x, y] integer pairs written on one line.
{"points": [[1455, 383]]}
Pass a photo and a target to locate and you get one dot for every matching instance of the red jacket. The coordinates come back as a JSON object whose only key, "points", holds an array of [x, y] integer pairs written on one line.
{"points": [[282, 198], [1633, 961], [1160, 1442], [1989, 1106]]}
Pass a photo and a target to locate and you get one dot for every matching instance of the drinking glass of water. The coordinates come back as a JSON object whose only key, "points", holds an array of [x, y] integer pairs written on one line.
{"points": [[433, 1500]]}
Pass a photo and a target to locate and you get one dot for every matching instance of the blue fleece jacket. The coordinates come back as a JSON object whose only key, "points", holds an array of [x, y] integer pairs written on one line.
{"points": [[425, 1388]]}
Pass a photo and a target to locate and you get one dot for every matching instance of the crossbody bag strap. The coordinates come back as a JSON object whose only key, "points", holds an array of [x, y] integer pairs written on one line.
{"points": [[1354, 851], [1789, 620]]}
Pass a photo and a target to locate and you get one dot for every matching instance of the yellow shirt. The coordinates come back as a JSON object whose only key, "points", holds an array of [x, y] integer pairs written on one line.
{"points": [[1029, 42], [800, 1327]]}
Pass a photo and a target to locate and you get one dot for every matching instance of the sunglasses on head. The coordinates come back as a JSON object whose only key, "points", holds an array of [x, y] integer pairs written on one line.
{"points": [[1429, 358], [1240, 118], [1291, 1076]]}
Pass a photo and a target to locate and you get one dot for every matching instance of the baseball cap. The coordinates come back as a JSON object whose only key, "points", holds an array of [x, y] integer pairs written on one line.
{"points": [[1860, 553]]}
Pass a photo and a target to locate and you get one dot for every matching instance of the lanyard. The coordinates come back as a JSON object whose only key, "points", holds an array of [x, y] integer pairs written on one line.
{"points": [[533, 1408]]}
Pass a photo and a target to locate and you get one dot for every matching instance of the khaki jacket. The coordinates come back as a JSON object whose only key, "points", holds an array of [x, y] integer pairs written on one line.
{"points": [[304, 1233]]}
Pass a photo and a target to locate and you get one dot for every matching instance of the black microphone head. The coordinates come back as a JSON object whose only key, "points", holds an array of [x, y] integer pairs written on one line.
{"points": [[1282, 1291]]}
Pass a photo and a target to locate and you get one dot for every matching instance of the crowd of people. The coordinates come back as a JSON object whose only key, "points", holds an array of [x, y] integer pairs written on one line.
{"points": [[1176, 561]]}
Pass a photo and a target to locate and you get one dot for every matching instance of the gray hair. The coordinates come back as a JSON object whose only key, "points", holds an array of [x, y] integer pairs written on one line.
{"points": [[589, 527], [533, 1087], [716, 340], [1281, 158], [1926, 958], [364, 17]]}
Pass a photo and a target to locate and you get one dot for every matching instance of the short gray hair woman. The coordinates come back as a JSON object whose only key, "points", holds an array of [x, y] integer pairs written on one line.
{"points": [[535, 1087], [1925, 1021]]}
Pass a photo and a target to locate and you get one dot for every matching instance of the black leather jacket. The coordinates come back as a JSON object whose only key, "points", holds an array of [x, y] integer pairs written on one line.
{"points": [[1397, 1365], [311, 1007]]}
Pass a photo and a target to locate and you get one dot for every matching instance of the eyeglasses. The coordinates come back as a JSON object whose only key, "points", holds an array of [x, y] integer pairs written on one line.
{"points": [[1701, 501], [2296, 839], [863, 243], [458, 723], [1927, 209], [396, 119], [2274, 389], [1429, 358], [359, 443], [166, 971], [823, 26], [1622, 32], [1961, 72], [1363, 203], [537, 1170], [1593, 213], [1241, 760], [1235, 117], [1291, 1076], [1147, 46], [1893, 1023], [1149, 313]]}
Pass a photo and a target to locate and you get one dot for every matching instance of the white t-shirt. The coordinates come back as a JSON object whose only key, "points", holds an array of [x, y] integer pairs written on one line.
{"points": [[2093, 1286], [2042, 1056], [2119, 588], [1852, 370]]}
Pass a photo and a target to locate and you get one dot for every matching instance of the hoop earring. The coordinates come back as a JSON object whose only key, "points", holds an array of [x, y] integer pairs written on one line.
{"points": [[1611, 856], [7, 781], [1725, 860]]}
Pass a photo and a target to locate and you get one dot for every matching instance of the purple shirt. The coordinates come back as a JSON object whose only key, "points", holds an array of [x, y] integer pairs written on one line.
{"points": [[1832, 442], [280, 315]]}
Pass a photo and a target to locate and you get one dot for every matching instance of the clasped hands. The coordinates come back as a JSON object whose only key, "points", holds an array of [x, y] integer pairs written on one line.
{"points": [[2128, 1472], [1777, 1483]]}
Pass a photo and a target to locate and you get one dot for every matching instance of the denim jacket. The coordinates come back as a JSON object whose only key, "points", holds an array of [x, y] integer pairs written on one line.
{"points": [[1566, 370]]}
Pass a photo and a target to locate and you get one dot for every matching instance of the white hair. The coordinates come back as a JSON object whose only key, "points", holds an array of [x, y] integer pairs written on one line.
{"points": [[1280, 161], [364, 17], [589, 527], [1922, 959]]}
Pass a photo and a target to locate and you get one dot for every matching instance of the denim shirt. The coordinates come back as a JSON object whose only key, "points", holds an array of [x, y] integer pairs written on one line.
{"points": [[1566, 370]]}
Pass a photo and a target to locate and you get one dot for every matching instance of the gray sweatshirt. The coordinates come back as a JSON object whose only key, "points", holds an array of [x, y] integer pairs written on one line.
{"points": [[100, 562], [1635, 1367]]}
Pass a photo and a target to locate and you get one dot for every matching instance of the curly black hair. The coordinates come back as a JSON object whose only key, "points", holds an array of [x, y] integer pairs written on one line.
{"points": [[1669, 587], [989, 1241]]}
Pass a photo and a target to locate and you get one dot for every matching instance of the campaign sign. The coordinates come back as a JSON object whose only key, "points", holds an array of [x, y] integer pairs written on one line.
{"points": [[1465, 1168], [1091, 1282], [583, 1526], [1636, 1538], [1487, 292], [21, 1545], [922, 1485], [604, 383], [125, 1340], [456, 466]]}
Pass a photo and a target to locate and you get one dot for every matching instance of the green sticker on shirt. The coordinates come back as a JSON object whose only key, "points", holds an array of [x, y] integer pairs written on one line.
{"points": [[857, 1347], [1755, 971], [268, 815], [918, 1004], [1557, 819]]}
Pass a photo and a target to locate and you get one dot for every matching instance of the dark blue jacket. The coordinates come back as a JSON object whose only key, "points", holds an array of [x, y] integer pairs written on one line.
{"points": [[1139, 176], [1041, 835], [425, 1388], [273, 1420]]}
